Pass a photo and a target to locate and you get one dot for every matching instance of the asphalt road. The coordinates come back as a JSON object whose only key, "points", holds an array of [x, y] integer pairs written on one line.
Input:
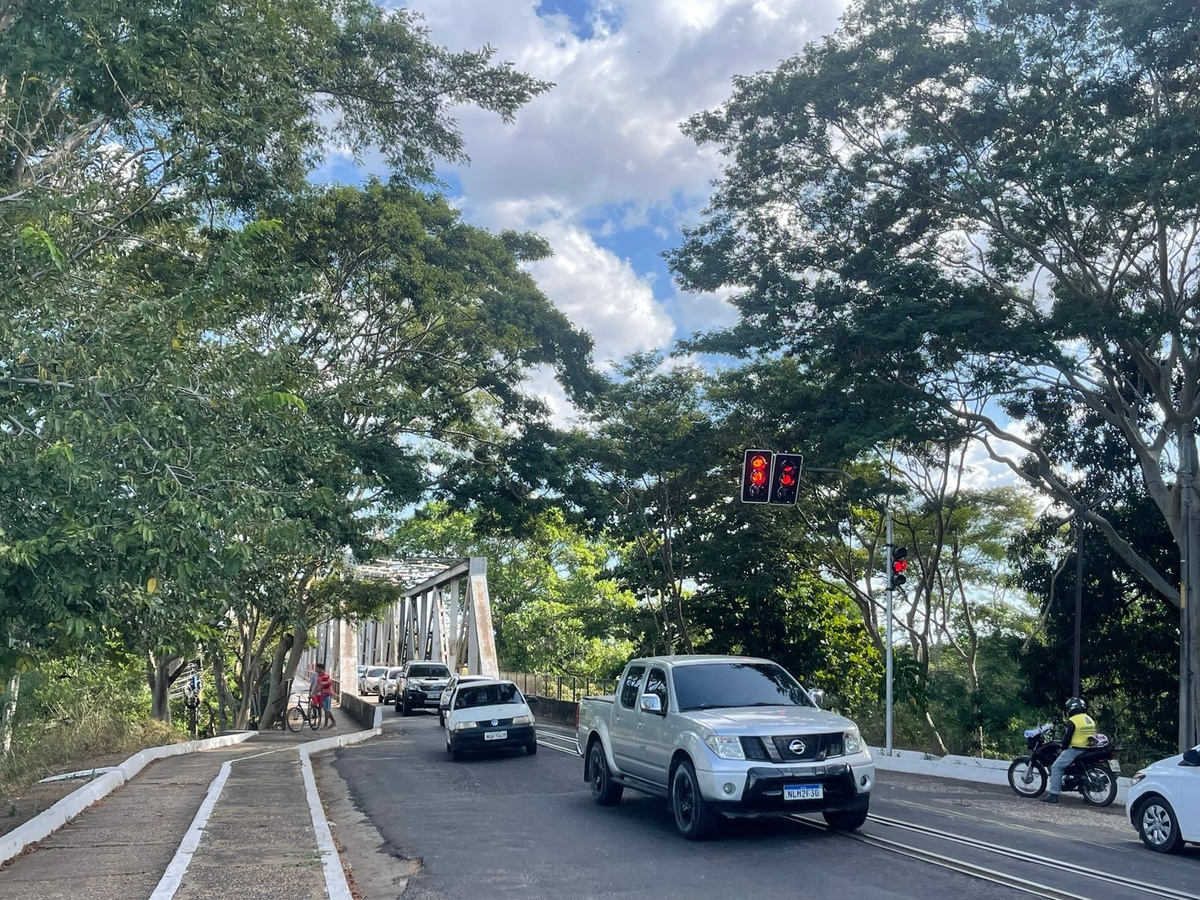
{"points": [[511, 825]]}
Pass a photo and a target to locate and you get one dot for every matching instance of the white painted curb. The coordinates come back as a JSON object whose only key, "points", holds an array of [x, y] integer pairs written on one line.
{"points": [[173, 877], [54, 818], [961, 768], [336, 885]]}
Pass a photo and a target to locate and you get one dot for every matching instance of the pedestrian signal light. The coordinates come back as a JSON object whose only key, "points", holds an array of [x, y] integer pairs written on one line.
{"points": [[756, 476], [785, 478], [898, 563]]}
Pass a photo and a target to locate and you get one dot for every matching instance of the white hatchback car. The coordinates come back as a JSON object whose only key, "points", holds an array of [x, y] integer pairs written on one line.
{"points": [[486, 715], [1164, 802], [448, 693]]}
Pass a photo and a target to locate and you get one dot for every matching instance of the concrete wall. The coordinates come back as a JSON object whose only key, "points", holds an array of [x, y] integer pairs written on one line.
{"points": [[556, 712], [366, 713]]}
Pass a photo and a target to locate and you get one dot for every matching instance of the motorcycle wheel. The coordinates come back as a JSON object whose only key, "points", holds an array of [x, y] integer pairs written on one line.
{"points": [[1098, 786], [1026, 777]]}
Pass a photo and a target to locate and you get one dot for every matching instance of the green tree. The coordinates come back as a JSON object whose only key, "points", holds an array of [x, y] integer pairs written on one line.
{"points": [[554, 607], [964, 201], [160, 445]]}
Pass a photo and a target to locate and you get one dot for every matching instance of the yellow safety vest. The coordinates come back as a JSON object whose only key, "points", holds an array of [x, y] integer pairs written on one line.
{"points": [[1085, 727]]}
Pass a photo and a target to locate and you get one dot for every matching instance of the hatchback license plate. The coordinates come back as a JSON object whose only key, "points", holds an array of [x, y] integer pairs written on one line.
{"points": [[803, 792], [495, 735]]}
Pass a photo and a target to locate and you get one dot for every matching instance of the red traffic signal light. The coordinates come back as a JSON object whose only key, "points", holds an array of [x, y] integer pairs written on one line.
{"points": [[756, 476], [898, 564], [785, 478]]}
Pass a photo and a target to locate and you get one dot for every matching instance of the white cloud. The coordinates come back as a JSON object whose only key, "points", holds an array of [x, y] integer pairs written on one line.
{"points": [[601, 155], [601, 294], [609, 130]]}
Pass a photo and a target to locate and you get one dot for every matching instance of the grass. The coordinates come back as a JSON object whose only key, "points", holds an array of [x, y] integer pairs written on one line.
{"points": [[92, 738]]}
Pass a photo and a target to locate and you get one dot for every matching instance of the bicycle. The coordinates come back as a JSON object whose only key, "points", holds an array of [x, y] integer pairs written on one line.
{"points": [[304, 712]]}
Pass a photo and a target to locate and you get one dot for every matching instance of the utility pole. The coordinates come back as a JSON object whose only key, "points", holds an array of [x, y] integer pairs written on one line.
{"points": [[1188, 619], [888, 643], [1075, 686]]}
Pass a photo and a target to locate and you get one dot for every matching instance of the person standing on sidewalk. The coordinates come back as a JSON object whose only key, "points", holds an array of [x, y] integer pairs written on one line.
{"points": [[324, 691]]}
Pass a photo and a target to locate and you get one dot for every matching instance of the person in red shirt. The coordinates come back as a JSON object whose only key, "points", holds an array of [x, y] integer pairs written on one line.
{"points": [[323, 695]]}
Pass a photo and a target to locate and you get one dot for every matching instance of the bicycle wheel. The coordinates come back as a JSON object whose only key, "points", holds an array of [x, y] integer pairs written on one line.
{"points": [[295, 718], [314, 717]]}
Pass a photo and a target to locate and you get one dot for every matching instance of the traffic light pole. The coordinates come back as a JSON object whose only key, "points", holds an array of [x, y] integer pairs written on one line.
{"points": [[888, 642]]}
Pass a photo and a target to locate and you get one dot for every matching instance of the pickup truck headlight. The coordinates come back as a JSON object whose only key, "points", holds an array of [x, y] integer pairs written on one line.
{"points": [[852, 742], [462, 726], [725, 746], [523, 720]]}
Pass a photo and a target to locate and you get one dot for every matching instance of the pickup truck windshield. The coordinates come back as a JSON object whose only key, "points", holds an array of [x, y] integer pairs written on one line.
{"points": [[720, 685], [428, 672]]}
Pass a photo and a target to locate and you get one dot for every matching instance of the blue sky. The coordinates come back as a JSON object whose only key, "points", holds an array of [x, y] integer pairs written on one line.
{"points": [[598, 165]]}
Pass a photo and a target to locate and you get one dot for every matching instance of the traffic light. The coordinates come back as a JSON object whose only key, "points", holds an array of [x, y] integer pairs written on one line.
{"points": [[785, 478], [897, 565], [756, 476]]}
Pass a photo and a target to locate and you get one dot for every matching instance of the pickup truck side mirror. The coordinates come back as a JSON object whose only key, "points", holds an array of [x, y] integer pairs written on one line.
{"points": [[651, 703], [1191, 757], [818, 696]]}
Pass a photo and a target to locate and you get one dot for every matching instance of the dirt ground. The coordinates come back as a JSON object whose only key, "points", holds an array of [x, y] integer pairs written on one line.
{"points": [[20, 803]]}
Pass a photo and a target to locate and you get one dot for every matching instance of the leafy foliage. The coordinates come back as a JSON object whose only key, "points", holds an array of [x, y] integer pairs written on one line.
{"points": [[954, 209]]}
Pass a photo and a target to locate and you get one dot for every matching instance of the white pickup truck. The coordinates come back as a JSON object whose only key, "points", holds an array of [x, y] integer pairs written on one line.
{"points": [[723, 736]]}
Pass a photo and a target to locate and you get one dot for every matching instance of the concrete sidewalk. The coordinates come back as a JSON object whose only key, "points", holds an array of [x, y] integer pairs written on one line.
{"points": [[236, 821]]}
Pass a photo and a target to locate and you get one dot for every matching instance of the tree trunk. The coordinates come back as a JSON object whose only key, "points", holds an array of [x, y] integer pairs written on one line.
{"points": [[277, 694], [8, 712], [937, 737], [221, 687], [160, 673]]}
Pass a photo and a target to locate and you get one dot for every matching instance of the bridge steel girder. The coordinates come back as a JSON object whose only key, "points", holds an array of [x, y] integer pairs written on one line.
{"points": [[447, 617]]}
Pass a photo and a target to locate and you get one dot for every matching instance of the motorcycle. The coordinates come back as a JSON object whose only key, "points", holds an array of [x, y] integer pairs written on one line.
{"points": [[1093, 773]]}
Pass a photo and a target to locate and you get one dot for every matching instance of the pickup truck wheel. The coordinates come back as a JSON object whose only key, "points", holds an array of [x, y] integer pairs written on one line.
{"points": [[845, 819], [404, 708], [694, 817], [605, 791]]}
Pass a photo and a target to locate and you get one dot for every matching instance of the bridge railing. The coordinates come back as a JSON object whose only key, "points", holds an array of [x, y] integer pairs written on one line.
{"points": [[569, 688]]}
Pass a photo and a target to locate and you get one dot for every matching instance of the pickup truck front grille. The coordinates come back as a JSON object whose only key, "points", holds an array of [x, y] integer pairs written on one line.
{"points": [[793, 747], [754, 748]]}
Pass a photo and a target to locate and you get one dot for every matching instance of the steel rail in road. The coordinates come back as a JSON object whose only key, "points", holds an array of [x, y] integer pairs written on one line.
{"points": [[995, 875], [1159, 891], [983, 873], [565, 744], [561, 743]]}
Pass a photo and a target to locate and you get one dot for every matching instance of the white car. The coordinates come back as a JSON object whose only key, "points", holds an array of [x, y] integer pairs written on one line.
{"points": [[1164, 802], [387, 684], [487, 715], [448, 693], [369, 682]]}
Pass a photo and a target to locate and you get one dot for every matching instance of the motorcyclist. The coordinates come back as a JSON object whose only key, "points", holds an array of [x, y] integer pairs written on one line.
{"points": [[1080, 726]]}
